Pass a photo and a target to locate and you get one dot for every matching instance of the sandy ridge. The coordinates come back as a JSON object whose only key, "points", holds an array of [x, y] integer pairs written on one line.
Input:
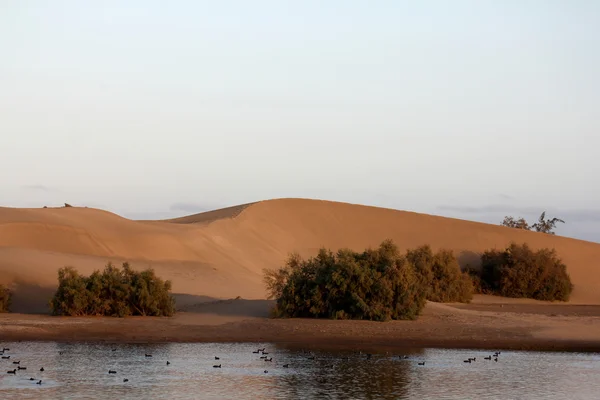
{"points": [[221, 254]]}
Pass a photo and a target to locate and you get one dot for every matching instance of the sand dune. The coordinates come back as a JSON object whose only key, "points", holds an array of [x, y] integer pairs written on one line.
{"points": [[220, 254]]}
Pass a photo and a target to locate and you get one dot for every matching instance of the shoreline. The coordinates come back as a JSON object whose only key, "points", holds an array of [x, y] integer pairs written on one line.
{"points": [[334, 343], [483, 324]]}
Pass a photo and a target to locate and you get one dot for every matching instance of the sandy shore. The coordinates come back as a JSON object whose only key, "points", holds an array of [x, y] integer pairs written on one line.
{"points": [[488, 322]]}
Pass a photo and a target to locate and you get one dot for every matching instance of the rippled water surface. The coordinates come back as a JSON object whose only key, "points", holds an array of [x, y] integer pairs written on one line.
{"points": [[81, 371]]}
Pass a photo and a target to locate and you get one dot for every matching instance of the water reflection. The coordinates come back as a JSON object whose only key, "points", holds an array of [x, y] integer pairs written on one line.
{"points": [[81, 370], [347, 375]]}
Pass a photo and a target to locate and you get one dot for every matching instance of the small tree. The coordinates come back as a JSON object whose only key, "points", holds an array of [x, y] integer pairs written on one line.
{"points": [[518, 271], [546, 225], [112, 292], [520, 223], [5, 299], [71, 297], [543, 225]]}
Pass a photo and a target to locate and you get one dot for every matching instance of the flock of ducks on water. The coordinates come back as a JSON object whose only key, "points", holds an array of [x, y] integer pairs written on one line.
{"points": [[111, 371], [472, 359], [18, 364], [264, 356]]}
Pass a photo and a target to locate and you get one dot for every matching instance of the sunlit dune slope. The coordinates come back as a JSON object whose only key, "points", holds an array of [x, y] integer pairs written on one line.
{"points": [[221, 253]]}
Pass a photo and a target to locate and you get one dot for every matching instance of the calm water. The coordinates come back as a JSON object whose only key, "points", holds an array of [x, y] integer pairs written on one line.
{"points": [[81, 371]]}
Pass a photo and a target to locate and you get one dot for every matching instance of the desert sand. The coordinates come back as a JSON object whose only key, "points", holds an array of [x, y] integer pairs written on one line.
{"points": [[220, 255]]}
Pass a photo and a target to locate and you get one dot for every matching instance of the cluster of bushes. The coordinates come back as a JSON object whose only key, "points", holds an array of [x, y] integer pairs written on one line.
{"points": [[112, 292], [518, 271], [377, 284], [381, 284], [5, 299], [544, 225]]}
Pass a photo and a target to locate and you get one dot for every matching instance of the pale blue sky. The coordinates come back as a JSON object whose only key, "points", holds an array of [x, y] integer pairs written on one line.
{"points": [[472, 109]]}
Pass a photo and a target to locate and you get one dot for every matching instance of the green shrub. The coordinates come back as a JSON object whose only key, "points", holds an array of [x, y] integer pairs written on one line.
{"points": [[544, 225], [440, 275], [518, 271], [114, 292], [377, 284], [5, 299]]}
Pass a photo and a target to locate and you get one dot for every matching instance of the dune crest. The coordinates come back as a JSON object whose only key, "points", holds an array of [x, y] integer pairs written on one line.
{"points": [[221, 253]]}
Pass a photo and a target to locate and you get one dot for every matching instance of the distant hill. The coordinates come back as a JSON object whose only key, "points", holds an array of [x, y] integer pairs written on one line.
{"points": [[221, 253]]}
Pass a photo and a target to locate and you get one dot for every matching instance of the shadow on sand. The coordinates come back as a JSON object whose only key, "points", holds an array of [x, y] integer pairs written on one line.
{"points": [[31, 299], [34, 299], [469, 260], [233, 307]]}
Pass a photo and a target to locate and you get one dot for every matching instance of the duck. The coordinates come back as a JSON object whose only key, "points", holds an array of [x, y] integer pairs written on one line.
{"points": [[16, 362], [39, 382], [217, 358], [286, 365], [31, 379], [6, 357], [488, 358], [422, 363], [168, 363], [217, 366], [21, 368], [269, 359], [266, 372], [42, 369], [148, 355], [14, 372], [110, 371], [468, 361], [125, 380]]}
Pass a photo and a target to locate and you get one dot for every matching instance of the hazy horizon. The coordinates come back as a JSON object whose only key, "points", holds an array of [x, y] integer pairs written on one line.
{"points": [[467, 109]]}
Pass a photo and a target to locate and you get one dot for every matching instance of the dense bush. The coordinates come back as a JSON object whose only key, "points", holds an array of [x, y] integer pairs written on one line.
{"points": [[377, 284], [518, 271], [440, 275], [5, 299], [512, 222], [114, 292]]}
